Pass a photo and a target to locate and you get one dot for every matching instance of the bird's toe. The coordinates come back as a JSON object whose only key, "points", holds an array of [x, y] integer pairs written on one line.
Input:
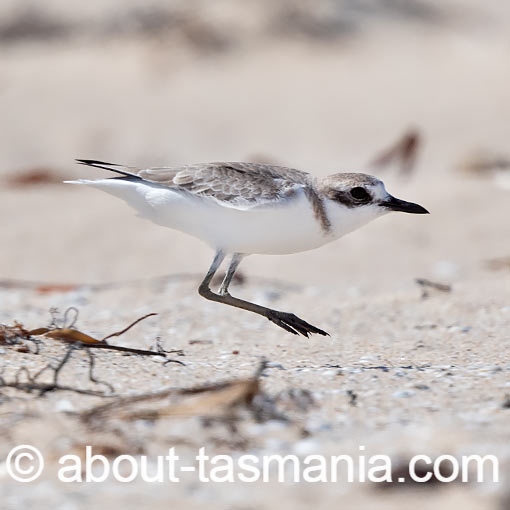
{"points": [[293, 324]]}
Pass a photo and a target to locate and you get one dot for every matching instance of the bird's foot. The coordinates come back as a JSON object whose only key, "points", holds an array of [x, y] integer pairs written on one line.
{"points": [[293, 324]]}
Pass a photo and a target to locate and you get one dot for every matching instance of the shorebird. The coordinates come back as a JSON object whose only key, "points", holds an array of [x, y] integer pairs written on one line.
{"points": [[248, 208]]}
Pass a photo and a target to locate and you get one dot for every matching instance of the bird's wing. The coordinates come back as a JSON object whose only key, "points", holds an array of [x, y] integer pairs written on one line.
{"points": [[238, 185]]}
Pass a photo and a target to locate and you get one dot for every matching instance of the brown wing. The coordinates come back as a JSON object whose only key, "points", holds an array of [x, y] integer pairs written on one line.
{"points": [[235, 184], [242, 185]]}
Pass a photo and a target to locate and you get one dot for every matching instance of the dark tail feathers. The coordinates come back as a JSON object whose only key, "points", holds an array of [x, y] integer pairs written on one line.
{"points": [[106, 166]]}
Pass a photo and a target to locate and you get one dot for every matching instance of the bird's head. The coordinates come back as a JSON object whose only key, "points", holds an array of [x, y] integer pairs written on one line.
{"points": [[365, 192], [352, 200]]}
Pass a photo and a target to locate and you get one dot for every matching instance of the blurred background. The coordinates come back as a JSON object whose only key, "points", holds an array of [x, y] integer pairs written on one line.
{"points": [[323, 85], [416, 92]]}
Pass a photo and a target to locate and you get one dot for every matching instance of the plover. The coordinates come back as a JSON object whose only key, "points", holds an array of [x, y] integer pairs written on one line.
{"points": [[249, 208]]}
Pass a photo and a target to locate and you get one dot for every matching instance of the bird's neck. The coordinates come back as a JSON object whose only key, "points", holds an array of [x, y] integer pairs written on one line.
{"points": [[347, 219]]}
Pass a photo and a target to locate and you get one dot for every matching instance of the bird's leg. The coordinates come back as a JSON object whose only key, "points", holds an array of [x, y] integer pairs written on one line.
{"points": [[234, 263], [219, 256], [287, 321]]}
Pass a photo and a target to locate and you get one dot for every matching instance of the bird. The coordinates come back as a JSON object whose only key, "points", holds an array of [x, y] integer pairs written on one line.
{"points": [[240, 209]]}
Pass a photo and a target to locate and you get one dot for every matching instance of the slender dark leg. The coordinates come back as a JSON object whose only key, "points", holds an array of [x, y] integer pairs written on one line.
{"points": [[232, 268], [287, 321], [219, 256]]}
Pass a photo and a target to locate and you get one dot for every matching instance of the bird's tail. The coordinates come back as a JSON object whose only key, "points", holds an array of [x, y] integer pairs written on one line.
{"points": [[112, 167]]}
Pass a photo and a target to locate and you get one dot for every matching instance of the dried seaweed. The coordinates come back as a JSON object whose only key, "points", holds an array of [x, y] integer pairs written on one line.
{"points": [[484, 163], [63, 329], [10, 335], [498, 263], [403, 153], [427, 285], [25, 381], [33, 177], [211, 402], [18, 336]]}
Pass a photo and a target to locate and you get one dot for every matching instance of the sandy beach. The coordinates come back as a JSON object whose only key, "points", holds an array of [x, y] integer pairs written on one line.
{"points": [[408, 368]]}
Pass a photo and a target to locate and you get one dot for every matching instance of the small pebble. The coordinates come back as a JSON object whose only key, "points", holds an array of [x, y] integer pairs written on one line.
{"points": [[403, 394], [63, 406], [274, 364]]}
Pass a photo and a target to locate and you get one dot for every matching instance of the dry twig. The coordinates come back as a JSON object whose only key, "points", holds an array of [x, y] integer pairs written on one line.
{"points": [[31, 384], [426, 285]]}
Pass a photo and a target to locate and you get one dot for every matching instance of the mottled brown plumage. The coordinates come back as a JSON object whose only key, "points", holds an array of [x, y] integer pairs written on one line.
{"points": [[240, 184]]}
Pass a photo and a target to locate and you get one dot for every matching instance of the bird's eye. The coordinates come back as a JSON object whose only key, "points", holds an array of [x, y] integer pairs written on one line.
{"points": [[360, 193]]}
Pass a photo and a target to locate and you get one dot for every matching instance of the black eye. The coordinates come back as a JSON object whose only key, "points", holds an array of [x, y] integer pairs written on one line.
{"points": [[360, 193]]}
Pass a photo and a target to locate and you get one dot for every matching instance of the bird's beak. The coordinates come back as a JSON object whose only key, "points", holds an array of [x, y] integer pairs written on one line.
{"points": [[395, 204]]}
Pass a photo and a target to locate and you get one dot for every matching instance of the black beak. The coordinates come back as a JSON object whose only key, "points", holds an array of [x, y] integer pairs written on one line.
{"points": [[396, 204]]}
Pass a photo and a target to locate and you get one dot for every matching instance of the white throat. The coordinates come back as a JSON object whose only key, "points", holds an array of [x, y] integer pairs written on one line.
{"points": [[346, 219]]}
